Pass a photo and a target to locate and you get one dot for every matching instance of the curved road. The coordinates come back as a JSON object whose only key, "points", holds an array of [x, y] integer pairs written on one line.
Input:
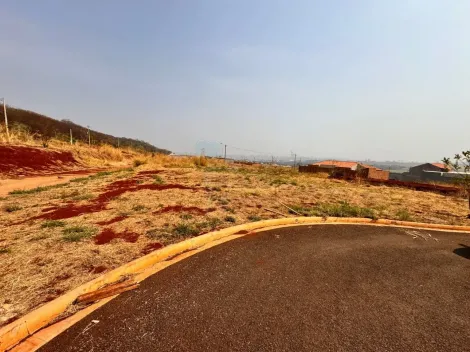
{"points": [[309, 288]]}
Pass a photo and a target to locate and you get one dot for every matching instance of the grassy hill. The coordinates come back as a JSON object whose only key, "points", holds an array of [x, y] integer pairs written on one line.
{"points": [[47, 128]]}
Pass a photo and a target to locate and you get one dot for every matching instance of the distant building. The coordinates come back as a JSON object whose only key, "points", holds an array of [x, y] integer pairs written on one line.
{"points": [[420, 169], [346, 169]]}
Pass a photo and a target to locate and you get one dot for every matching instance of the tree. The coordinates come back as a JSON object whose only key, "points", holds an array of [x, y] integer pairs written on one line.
{"points": [[461, 164]]}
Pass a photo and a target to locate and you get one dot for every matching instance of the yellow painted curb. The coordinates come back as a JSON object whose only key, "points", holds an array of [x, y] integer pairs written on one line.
{"points": [[143, 267]]}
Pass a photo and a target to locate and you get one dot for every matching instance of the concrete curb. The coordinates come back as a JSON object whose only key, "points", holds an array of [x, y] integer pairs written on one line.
{"points": [[145, 266]]}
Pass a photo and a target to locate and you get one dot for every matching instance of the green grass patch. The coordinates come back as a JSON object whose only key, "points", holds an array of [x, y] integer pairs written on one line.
{"points": [[52, 224], [17, 192], [340, 210], [77, 233]]}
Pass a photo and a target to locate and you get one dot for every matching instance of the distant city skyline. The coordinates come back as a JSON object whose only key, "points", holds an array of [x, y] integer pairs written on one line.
{"points": [[348, 80]]}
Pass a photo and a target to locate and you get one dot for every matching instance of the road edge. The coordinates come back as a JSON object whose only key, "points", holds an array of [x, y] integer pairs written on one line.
{"points": [[26, 326]]}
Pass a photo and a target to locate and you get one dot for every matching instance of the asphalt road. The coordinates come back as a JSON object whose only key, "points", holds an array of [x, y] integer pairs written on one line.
{"points": [[309, 288]]}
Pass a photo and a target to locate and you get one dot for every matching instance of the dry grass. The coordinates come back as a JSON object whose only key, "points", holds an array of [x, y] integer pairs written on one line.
{"points": [[39, 261]]}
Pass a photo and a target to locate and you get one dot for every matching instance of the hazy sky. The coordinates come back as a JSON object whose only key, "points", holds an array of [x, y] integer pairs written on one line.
{"points": [[348, 79]]}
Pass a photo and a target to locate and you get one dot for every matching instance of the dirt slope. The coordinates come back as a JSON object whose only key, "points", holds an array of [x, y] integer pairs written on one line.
{"points": [[17, 161]]}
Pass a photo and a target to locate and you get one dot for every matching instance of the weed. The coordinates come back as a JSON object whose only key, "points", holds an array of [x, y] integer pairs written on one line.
{"points": [[139, 162], [155, 234], [404, 215], [38, 237], [85, 196], [278, 182], [294, 183], [186, 216], [217, 189], [158, 180], [36, 190], [77, 233], [230, 219], [79, 179], [214, 223], [5, 250], [52, 223], [343, 209], [200, 161], [223, 201], [10, 208], [65, 195], [216, 169], [185, 230], [104, 173], [254, 218], [139, 207], [229, 210]]}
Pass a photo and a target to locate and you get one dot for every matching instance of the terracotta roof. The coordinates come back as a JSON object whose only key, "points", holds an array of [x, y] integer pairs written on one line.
{"points": [[440, 165], [338, 163]]}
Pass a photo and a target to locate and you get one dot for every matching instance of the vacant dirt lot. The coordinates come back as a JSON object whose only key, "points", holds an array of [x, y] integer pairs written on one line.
{"points": [[55, 238]]}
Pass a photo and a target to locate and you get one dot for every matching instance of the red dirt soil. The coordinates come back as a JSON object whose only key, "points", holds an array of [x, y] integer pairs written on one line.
{"points": [[98, 204], [28, 161], [107, 235], [180, 209], [151, 247]]}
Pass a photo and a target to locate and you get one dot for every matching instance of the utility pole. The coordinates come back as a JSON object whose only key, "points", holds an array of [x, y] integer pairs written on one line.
{"points": [[272, 161], [225, 153], [6, 119], [89, 137], [71, 139], [295, 159]]}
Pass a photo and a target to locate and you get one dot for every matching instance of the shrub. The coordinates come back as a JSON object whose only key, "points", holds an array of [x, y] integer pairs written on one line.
{"points": [[10, 208], [404, 215], [139, 162], [278, 182], [139, 207], [185, 230], [77, 233], [230, 219], [5, 250], [158, 180], [52, 224], [186, 216], [254, 218], [200, 161]]}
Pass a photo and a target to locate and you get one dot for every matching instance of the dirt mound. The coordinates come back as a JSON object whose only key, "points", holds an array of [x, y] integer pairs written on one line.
{"points": [[29, 161]]}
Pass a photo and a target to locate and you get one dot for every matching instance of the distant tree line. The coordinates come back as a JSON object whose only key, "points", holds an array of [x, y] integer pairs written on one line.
{"points": [[48, 127]]}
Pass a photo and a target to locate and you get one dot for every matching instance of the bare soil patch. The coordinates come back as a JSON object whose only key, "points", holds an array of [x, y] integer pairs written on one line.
{"points": [[28, 161]]}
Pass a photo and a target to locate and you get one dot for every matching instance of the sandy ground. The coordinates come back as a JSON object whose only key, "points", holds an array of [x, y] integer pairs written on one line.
{"points": [[57, 238], [8, 185]]}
